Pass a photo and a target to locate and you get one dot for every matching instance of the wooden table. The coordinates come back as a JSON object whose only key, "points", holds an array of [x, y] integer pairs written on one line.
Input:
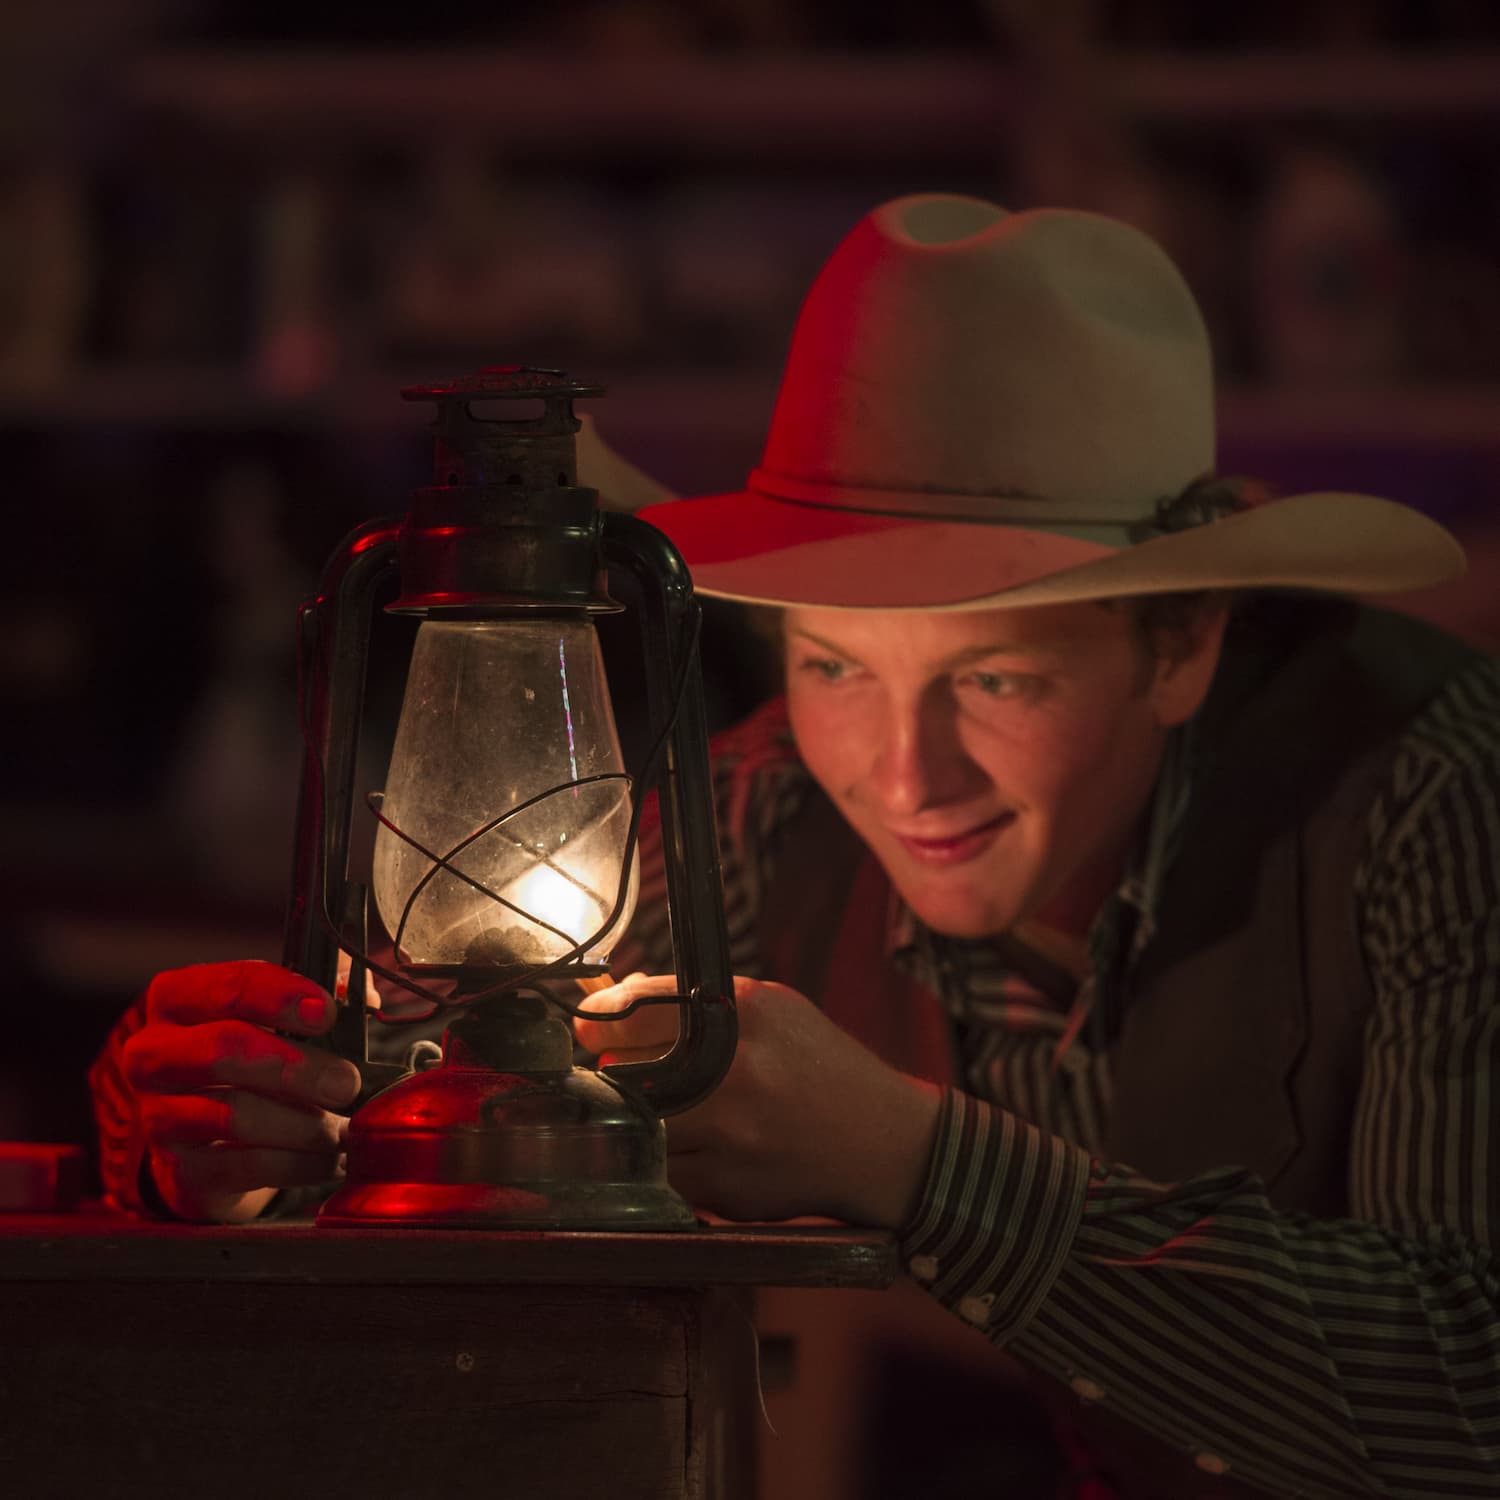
{"points": [[283, 1360]]}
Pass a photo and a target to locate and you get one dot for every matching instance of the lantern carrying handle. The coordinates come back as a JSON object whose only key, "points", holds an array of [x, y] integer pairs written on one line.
{"points": [[333, 654], [708, 1025]]}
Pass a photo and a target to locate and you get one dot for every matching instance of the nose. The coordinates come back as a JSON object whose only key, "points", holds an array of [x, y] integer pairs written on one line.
{"points": [[921, 761]]}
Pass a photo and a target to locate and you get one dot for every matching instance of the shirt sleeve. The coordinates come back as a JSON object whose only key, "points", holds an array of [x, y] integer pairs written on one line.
{"points": [[1303, 1357], [122, 1143]]}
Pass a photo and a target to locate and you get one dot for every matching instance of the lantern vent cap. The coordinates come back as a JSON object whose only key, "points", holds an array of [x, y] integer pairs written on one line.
{"points": [[499, 382]]}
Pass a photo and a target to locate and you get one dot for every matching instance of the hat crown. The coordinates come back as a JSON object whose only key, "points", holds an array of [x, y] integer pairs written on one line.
{"points": [[950, 352]]}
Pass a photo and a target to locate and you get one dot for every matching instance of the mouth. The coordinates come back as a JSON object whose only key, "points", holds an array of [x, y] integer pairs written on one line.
{"points": [[957, 848]]}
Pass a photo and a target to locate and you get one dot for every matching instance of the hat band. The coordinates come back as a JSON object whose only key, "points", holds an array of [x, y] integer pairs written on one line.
{"points": [[1032, 512]]}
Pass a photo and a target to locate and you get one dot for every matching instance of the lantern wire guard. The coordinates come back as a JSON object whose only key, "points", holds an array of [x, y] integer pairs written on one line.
{"points": [[505, 1131]]}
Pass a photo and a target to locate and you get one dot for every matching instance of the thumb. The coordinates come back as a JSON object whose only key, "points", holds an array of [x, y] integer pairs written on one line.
{"points": [[601, 1027]]}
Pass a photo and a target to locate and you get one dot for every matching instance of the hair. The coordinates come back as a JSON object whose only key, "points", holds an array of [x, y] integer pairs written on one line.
{"points": [[1166, 626], [764, 621], [1168, 623]]}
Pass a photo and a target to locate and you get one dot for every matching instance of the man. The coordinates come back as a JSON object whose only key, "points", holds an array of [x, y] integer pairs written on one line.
{"points": [[1152, 945]]}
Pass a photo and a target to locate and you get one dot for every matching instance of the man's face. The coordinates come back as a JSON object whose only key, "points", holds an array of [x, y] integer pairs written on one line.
{"points": [[996, 762]]}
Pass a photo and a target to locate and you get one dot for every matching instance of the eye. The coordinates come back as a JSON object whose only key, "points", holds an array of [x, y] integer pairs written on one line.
{"points": [[1002, 684], [823, 668]]}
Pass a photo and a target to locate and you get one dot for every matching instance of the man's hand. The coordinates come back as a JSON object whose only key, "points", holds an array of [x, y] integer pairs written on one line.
{"points": [[232, 1112], [807, 1121]]}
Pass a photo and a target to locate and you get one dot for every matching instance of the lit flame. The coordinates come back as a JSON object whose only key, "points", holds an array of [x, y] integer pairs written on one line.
{"points": [[565, 904]]}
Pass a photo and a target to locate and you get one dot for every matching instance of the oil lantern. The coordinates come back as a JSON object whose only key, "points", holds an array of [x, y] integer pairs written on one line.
{"points": [[503, 868]]}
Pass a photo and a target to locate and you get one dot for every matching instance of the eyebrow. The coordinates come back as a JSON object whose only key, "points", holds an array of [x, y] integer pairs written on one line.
{"points": [[1006, 648], [958, 659], [818, 640]]}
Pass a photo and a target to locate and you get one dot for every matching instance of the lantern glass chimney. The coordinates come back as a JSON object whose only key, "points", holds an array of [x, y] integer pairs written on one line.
{"points": [[507, 765]]}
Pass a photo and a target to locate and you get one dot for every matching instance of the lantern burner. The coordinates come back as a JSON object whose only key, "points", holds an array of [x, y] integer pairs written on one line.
{"points": [[498, 955]]}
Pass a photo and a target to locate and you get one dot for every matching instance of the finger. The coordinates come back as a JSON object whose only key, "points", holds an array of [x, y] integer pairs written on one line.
{"points": [[184, 1059], [226, 1168], [617, 996], [341, 983], [613, 1055], [650, 1030], [240, 1118], [249, 990]]}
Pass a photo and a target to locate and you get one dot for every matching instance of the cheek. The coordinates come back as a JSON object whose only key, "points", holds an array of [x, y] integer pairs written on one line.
{"points": [[1067, 765], [1032, 752], [818, 729], [1093, 783], [834, 733]]}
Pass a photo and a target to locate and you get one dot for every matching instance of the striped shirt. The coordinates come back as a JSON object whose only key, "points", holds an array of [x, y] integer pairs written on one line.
{"points": [[1304, 1357]]}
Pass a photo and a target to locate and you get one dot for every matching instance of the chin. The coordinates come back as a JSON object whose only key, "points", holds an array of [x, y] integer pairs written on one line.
{"points": [[960, 914]]}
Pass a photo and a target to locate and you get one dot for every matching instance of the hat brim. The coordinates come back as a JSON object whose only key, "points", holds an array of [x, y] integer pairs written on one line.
{"points": [[759, 550]]}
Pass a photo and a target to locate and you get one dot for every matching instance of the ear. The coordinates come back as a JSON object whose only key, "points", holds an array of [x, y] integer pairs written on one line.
{"points": [[1184, 674]]}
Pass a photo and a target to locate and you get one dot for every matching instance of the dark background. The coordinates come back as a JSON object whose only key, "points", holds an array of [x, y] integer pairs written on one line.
{"points": [[229, 232]]}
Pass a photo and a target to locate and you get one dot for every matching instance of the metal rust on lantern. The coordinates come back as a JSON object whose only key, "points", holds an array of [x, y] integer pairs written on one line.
{"points": [[505, 526]]}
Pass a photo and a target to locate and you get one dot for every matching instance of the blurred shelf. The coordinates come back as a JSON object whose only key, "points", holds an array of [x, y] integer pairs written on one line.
{"points": [[1363, 85], [198, 397], [646, 108], [732, 407], [1467, 417], [717, 406], [942, 106], [101, 898], [86, 954]]}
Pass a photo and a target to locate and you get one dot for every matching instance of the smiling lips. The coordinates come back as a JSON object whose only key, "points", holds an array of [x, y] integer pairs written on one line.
{"points": [[959, 847]]}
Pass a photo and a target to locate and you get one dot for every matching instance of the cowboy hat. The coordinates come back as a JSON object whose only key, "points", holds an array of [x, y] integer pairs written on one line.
{"points": [[985, 409], [621, 485]]}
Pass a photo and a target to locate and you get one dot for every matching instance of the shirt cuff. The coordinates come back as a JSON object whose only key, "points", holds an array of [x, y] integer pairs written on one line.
{"points": [[1001, 1204]]}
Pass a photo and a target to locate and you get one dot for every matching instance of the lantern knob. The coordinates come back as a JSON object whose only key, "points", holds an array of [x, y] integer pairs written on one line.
{"points": [[497, 382]]}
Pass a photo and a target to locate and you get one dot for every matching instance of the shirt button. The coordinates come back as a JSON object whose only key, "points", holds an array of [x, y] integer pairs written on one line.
{"points": [[1211, 1463], [976, 1310], [923, 1267], [1087, 1390]]}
